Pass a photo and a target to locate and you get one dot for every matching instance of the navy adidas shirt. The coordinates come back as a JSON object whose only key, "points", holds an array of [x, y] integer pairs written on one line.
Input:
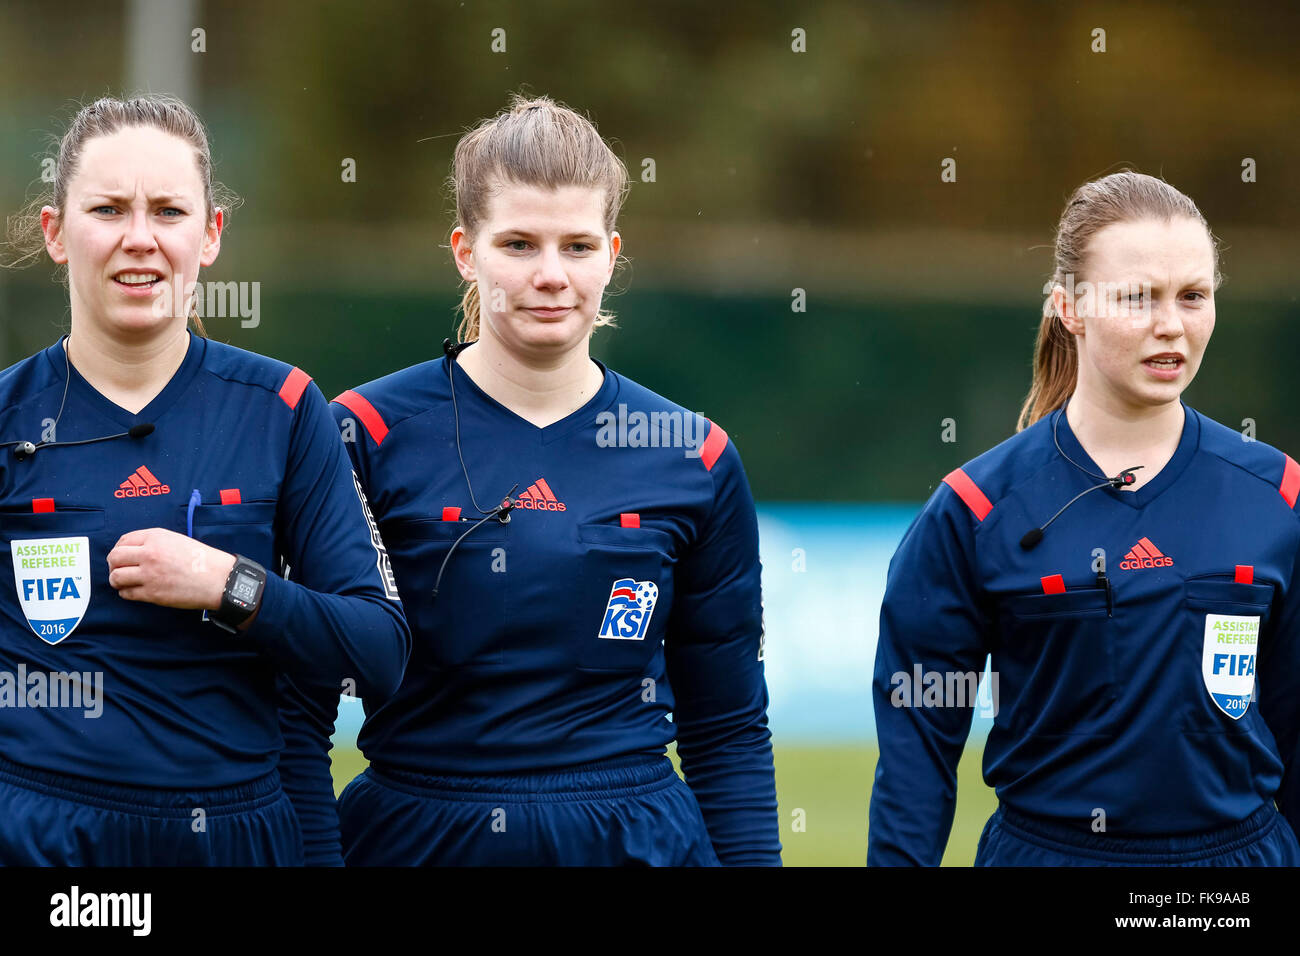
{"points": [[185, 704], [1166, 696], [624, 589]]}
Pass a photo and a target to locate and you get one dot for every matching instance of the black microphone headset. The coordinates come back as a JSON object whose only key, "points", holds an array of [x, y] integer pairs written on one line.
{"points": [[502, 511], [1125, 477], [25, 449]]}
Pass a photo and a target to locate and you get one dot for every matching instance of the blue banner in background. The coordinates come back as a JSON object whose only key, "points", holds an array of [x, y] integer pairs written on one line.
{"points": [[824, 568]]}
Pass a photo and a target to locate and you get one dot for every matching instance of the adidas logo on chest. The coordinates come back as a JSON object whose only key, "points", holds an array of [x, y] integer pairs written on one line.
{"points": [[1144, 554], [141, 483], [539, 497]]}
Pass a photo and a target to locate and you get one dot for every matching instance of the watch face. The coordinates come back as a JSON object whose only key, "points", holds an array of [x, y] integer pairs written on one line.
{"points": [[244, 589]]}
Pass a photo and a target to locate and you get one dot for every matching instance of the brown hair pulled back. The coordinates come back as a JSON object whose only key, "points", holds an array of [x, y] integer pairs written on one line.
{"points": [[534, 141], [1124, 196], [104, 117]]}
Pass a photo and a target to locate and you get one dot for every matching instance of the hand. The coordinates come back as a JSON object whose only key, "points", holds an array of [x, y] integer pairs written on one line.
{"points": [[165, 568]]}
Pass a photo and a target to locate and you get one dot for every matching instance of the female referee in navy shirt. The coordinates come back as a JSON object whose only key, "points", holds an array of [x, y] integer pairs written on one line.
{"points": [[1130, 565], [154, 485], [578, 558]]}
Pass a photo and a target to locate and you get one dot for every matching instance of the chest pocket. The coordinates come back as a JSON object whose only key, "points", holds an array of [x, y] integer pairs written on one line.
{"points": [[247, 528], [1229, 597], [468, 623], [1056, 663], [54, 560], [624, 596], [69, 521], [1221, 668]]}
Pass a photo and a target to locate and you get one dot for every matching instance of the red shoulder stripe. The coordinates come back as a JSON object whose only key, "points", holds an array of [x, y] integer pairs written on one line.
{"points": [[1290, 481], [969, 492], [714, 445], [370, 418], [293, 387]]}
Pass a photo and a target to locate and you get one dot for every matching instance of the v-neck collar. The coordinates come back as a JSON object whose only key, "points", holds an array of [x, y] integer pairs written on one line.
{"points": [[161, 402], [1182, 456], [585, 415]]}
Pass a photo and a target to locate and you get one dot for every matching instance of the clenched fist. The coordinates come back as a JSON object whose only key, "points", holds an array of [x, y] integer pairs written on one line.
{"points": [[162, 567]]}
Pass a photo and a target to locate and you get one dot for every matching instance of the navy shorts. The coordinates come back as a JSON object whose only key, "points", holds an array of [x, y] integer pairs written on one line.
{"points": [[48, 819], [614, 814], [1013, 839]]}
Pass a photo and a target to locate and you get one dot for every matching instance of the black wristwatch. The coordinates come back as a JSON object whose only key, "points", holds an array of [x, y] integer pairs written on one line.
{"points": [[243, 594]]}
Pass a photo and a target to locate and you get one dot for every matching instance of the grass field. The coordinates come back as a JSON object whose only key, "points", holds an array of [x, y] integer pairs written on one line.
{"points": [[831, 786]]}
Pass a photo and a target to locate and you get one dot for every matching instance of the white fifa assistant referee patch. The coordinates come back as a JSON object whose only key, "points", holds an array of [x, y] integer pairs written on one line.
{"points": [[1228, 661], [52, 576], [381, 553]]}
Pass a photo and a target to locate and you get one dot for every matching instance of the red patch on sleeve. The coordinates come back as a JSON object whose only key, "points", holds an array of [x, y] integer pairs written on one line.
{"points": [[370, 419], [969, 492], [1290, 486], [293, 387], [714, 445]]}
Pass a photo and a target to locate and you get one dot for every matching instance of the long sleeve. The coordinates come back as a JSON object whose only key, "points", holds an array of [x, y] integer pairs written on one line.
{"points": [[713, 652], [1278, 688], [307, 721], [930, 620], [338, 620]]}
